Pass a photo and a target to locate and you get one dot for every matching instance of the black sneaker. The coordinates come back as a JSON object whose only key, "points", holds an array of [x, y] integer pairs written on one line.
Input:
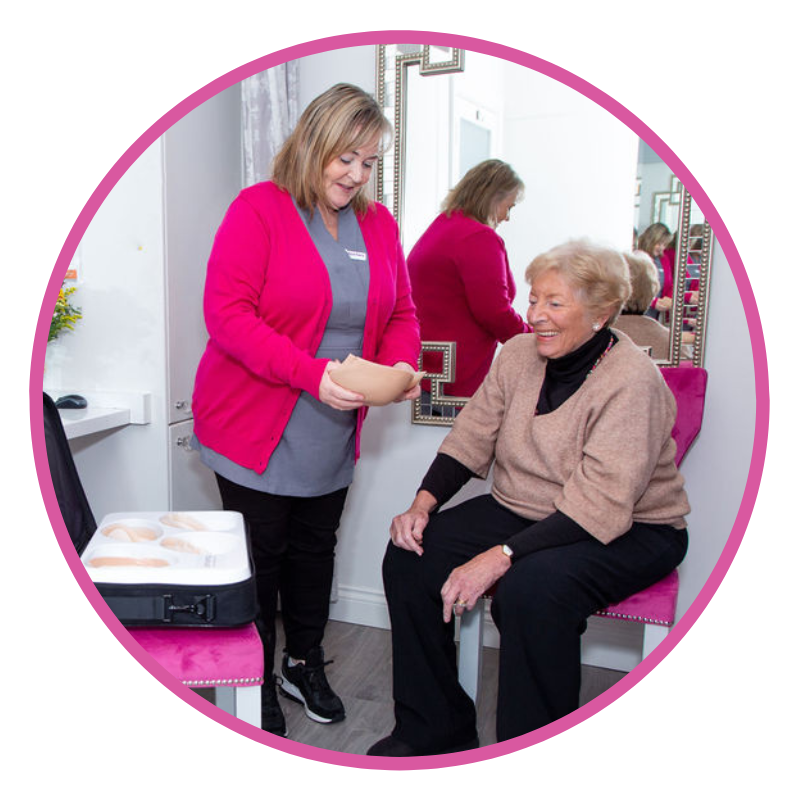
{"points": [[307, 684], [272, 719]]}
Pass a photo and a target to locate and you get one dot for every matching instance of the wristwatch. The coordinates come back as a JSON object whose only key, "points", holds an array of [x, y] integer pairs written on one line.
{"points": [[508, 551]]}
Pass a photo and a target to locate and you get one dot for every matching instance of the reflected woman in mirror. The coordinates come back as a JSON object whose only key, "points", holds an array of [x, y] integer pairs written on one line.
{"points": [[305, 269], [644, 330], [657, 241], [460, 276], [586, 508]]}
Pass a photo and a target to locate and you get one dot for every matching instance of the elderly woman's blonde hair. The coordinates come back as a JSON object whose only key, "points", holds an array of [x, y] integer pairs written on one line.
{"points": [[597, 274], [644, 281], [482, 189], [339, 121]]}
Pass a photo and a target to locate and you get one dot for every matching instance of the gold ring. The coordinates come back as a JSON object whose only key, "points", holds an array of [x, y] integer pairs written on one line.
{"points": [[460, 603]]}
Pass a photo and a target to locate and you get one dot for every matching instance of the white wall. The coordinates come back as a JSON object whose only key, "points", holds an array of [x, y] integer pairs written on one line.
{"points": [[142, 271], [717, 466], [578, 163], [118, 346]]}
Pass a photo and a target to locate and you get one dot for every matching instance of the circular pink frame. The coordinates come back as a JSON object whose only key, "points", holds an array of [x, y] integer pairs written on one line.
{"points": [[589, 91]]}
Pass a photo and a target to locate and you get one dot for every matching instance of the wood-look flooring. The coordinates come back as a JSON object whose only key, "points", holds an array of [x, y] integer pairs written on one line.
{"points": [[361, 675]]}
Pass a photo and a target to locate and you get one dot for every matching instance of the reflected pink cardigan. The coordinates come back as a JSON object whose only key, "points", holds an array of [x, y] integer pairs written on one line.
{"points": [[267, 301]]}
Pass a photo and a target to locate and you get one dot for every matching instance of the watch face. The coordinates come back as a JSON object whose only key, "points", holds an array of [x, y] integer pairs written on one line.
{"points": [[508, 551]]}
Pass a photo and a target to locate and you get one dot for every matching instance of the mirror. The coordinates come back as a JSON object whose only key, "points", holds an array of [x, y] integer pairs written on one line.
{"points": [[683, 257], [582, 168]]}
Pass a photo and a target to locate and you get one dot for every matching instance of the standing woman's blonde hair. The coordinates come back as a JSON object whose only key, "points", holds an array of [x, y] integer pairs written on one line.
{"points": [[340, 120], [656, 234], [482, 189]]}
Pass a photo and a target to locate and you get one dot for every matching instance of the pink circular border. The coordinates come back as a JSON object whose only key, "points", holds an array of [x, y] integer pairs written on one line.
{"points": [[592, 93]]}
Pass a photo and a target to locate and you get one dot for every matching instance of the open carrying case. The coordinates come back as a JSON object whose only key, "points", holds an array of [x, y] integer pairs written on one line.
{"points": [[182, 569]]}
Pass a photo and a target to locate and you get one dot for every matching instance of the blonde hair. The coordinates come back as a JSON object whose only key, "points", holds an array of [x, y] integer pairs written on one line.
{"points": [[654, 235], [597, 274], [482, 189], [644, 281], [340, 120]]}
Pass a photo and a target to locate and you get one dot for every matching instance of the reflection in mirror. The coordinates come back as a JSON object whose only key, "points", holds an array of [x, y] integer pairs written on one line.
{"points": [[462, 258], [672, 231], [580, 166], [635, 320]]}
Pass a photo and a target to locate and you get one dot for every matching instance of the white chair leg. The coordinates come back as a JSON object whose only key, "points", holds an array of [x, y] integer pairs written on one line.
{"points": [[470, 649], [248, 704], [225, 700], [653, 636], [242, 702]]}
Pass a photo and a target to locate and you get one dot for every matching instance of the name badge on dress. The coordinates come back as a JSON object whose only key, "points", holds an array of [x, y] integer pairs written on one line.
{"points": [[356, 255]]}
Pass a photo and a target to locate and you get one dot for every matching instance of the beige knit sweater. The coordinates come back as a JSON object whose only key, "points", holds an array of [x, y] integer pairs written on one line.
{"points": [[605, 457]]}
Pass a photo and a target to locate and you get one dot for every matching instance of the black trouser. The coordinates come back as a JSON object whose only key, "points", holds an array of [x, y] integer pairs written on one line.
{"points": [[541, 609], [293, 541]]}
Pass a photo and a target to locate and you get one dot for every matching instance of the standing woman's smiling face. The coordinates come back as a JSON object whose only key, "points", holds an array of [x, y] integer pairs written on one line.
{"points": [[348, 172], [560, 319]]}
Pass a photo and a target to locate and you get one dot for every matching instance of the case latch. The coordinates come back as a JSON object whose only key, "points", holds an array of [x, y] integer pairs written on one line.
{"points": [[203, 607]]}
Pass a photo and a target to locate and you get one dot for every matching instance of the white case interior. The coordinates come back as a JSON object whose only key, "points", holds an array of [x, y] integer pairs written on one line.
{"points": [[182, 548]]}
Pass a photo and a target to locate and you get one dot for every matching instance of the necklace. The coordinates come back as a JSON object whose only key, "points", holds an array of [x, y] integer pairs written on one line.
{"points": [[601, 356]]}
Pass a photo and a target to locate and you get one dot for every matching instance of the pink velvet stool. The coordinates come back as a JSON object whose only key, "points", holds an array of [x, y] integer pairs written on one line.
{"points": [[653, 607], [229, 660]]}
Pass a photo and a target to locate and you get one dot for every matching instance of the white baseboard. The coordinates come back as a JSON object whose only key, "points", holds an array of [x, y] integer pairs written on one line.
{"points": [[607, 643], [360, 607]]}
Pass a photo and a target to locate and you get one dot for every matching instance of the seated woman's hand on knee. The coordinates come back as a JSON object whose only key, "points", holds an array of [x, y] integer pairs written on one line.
{"points": [[407, 528], [467, 583]]}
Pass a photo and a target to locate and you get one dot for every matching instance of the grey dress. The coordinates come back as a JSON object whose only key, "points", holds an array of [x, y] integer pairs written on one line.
{"points": [[316, 453]]}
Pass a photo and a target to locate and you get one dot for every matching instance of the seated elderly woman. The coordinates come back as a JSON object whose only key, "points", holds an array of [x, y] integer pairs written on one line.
{"points": [[644, 330], [633, 320], [586, 508]]}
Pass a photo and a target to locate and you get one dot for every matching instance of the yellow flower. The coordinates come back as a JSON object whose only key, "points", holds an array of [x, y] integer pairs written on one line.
{"points": [[65, 315]]}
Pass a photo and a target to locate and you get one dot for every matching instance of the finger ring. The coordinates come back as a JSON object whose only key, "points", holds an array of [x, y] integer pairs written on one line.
{"points": [[460, 603]]}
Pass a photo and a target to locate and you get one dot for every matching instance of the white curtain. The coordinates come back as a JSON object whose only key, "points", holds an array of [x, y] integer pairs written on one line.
{"points": [[269, 113]]}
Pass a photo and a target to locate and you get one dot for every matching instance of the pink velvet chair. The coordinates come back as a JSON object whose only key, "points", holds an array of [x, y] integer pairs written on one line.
{"points": [[229, 660], [654, 607]]}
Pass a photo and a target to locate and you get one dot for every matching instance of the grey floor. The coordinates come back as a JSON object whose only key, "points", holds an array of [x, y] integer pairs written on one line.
{"points": [[361, 675]]}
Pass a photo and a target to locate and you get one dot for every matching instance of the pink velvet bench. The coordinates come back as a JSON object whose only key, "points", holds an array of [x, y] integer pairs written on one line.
{"points": [[229, 660], [653, 607]]}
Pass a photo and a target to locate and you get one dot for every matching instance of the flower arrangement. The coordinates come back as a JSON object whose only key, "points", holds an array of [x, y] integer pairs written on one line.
{"points": [[65, 315]]}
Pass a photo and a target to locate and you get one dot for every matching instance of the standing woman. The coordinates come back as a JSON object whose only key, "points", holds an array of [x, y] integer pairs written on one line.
{"points": [[304, 270], [656, 241], [462, 282]]}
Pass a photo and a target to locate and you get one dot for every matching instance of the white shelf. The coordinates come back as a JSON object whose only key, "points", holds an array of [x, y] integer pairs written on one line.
{"points": [[83, 421], [105, 411]]}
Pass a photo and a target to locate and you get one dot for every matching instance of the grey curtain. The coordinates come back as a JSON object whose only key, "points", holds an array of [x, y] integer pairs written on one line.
{"points": [[269, 113]]}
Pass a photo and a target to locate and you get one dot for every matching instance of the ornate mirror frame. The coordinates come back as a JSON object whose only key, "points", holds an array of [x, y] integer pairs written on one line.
{"points": [[392, 65], [391, 83], [702, 258]]}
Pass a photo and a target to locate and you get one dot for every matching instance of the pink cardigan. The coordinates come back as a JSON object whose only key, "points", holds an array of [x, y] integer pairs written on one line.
{"points": [[463, 289], [267, 301]]}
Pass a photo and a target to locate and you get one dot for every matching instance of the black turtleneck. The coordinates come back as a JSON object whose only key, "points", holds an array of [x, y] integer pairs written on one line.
{"points": [[564, 376]]}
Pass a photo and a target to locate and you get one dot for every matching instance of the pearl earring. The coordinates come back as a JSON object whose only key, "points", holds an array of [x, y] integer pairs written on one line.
{"points": [[596, 327]]}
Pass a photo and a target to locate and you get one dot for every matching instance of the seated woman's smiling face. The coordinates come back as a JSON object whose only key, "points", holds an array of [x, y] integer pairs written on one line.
{"points": [[560, 319]]}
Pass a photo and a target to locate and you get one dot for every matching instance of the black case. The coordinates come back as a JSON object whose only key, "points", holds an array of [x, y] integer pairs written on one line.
{"points": [[223, 593]]}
